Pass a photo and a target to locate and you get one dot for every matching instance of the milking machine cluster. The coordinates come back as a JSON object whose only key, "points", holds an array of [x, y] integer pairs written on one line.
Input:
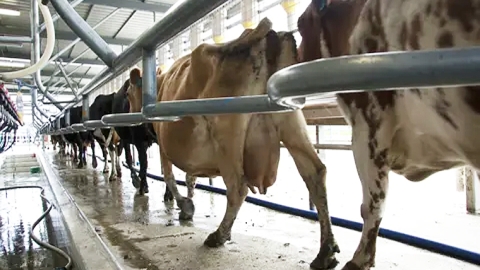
{"points": [[9, 120]]}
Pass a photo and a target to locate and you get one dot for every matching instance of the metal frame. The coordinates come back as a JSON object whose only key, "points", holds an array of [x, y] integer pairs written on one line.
{"points": [[288, 89]]}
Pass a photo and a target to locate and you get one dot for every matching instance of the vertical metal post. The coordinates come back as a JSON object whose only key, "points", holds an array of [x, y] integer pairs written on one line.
{"points": [[85, 108], [149, 79], [67, 118], [58, 124], [472, 189]]}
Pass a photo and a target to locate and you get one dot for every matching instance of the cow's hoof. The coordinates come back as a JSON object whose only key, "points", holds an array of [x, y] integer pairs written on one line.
{"points": [[119, 173], [106, 170], [326, 257], [112, 178], [94, 164], [136, 181], [216, 239], [187, 209], [168, 196], [145, 189], [351, 266], [80, 166]]}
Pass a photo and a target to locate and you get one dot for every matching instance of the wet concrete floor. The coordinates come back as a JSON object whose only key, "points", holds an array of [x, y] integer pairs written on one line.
{"points": [[19, 209], [145, 233]]}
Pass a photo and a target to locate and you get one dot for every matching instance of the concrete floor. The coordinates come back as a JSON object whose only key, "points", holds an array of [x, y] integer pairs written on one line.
{"points": [[144, 233], [19, 209]]}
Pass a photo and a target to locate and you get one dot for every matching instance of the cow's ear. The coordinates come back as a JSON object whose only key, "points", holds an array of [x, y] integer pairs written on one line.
{"points": [[135, 76]]}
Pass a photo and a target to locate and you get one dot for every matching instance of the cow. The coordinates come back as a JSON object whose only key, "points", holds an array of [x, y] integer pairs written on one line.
{"points": [[101, 106], [69, 139], [242, 148], [412, 132], [57, 139], [142, 136], [80, 139]]}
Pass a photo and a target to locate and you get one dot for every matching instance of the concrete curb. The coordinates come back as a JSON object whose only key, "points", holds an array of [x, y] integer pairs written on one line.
{"points": [[89, 251]]}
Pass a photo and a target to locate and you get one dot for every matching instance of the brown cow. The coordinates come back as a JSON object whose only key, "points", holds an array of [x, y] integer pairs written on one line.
{"points": [[242, 148], [416, 132]]}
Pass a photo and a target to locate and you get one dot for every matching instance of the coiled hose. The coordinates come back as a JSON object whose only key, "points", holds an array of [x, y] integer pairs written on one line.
{"points": [[40, 243]]}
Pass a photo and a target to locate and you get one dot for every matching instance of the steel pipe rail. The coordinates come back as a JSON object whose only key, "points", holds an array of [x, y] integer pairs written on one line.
{"points": [[371, 72], [78, 127], [15, 39], [225, 105], [174, 22], [130, 119], [94, 124], [84, 31]]}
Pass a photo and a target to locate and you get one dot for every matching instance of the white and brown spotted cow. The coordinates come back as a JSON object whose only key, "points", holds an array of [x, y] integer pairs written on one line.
{"points": [[415, 132], [242, 148]]}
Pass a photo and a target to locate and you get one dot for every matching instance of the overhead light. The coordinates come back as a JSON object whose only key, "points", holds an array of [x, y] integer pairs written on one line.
{"points": [[11, 64], [9, 12]]}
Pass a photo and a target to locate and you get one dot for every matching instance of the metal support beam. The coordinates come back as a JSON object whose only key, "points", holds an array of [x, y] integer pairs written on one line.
{"points": [[56, 16], [88, 35], [16, 39], [133, 5], [67, 118], [62, 35], [67, 79], [34, 22], [472, 183], [174, 22], [85, 108], [84, 31], [27, 56], [149, 78]]}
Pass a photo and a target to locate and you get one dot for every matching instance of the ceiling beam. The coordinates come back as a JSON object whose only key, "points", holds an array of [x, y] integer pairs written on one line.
{"points": [[26, 56], [61, 35], [133, 5], [26, 91]]}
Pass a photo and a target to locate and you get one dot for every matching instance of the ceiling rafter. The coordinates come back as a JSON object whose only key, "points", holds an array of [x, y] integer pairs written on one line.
{"points": [[133, 5], [61, 35]]}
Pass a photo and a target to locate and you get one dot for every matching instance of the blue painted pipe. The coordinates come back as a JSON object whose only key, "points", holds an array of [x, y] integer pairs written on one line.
{"points": [[436, 247]]}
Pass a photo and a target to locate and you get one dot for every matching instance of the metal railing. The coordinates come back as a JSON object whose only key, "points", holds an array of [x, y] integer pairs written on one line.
{"points": [[288, 89]]}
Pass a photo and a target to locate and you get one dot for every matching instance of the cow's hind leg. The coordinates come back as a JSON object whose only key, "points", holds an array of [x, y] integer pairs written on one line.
{"points": [[128, 159], [113, 157], [142, 157], [370, 153], [94, 156], [293, 133], [117, 160], [105, 157]]}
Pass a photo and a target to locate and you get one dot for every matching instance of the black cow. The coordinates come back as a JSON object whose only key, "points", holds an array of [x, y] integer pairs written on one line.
{"points": [[101, 106], [70, 139], [80, 139], [142, 136]]}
